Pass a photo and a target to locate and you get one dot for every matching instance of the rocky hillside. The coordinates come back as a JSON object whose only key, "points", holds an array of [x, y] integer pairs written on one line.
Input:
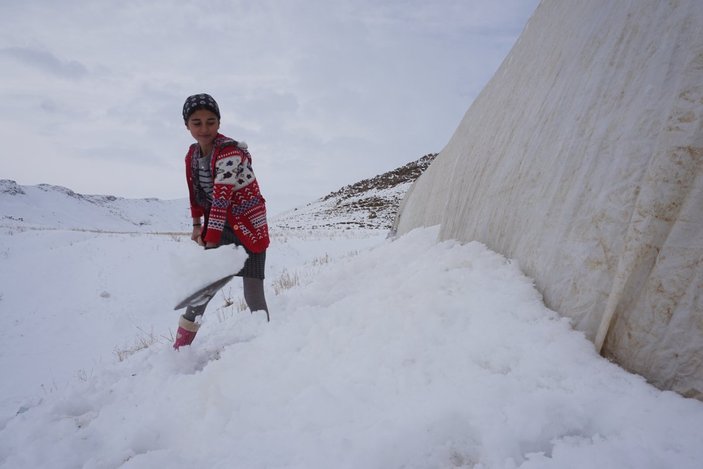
{"points": [[370, 203]]}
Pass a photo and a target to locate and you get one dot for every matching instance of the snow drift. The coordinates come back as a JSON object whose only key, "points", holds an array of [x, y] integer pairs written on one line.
{"points": [[399, 354], [583, 160]]}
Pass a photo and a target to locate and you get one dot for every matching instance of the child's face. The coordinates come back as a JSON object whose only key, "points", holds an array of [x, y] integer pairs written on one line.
{"points": [[203, 126]]}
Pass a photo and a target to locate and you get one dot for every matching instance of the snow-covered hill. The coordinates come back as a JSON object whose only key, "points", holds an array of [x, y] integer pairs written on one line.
{"points": [[54, 207]]}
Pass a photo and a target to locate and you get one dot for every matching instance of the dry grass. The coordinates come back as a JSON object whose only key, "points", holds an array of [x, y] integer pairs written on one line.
{"points": [[144, 340], [285, 282]]}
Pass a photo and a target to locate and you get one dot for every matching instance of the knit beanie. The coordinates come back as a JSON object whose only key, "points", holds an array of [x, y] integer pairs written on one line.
{"points": [[199, 101]]}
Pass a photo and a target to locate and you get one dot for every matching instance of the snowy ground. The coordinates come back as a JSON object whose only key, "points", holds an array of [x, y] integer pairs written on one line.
{"points": [[380, 354]]}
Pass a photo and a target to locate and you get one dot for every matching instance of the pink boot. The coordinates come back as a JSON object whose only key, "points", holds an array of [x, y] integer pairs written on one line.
{"points": [[186, 332]]}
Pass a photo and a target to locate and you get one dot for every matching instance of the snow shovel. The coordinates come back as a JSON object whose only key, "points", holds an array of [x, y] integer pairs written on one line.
{"points": [[204, 294]]}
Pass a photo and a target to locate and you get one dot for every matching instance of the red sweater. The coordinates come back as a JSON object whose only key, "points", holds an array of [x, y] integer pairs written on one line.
{"points": [[236, 199]]}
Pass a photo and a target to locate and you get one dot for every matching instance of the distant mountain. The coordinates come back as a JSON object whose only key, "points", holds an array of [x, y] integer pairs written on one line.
{"points": [[371, 204], [50, 207]]}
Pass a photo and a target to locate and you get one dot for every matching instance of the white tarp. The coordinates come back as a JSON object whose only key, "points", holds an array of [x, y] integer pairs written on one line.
{"points": [[583, 160]]}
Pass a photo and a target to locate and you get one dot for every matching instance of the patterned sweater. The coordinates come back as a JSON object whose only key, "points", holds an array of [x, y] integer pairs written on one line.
{"points": [[236, 199]]}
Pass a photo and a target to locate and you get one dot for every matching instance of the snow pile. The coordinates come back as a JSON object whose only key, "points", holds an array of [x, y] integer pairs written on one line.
{"points": [[193, 268], [583, 159], [407, 353]]}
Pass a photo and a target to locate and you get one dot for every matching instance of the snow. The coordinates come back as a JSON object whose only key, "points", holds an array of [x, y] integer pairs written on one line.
{"points": [[380, 353], [583, 159]]}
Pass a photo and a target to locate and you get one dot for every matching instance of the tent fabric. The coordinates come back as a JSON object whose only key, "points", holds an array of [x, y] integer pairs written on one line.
{"points": [[582, 159]]}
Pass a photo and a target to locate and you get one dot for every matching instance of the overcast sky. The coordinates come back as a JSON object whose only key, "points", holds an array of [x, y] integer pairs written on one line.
{"points": [[325, 92]]}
